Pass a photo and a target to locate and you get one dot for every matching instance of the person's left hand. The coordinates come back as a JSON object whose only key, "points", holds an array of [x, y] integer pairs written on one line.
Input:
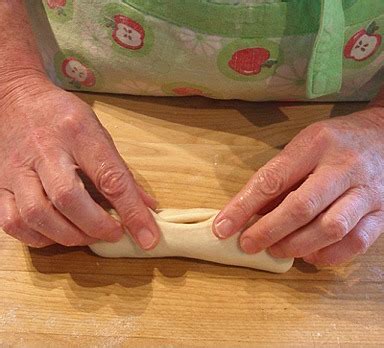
{"points": [[327, 190]]}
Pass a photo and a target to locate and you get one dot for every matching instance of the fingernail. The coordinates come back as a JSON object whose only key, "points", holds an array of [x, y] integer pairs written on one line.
{"points": [[224, 228], [145, 238], [248, 245]]}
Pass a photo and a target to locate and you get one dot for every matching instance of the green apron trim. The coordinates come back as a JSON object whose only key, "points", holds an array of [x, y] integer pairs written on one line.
{"points": [[359, 11], [325, 70], [265, 20], [229, 20]]}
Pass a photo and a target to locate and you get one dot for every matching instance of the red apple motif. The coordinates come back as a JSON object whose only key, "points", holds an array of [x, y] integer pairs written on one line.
{"points": [[250, 61], [78, 73], [363, 44], [128, 33], [56, 3], [187, 91]]}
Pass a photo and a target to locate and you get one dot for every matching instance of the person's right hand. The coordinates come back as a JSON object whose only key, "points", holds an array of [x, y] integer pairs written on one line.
{"points": [[46, 134]]}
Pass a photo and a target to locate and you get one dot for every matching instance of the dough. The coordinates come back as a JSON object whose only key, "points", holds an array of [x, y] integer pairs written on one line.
{"points": [[187, 233]]}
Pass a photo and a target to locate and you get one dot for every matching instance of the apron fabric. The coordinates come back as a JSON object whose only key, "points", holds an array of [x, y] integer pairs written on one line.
{"points": [[254, 50]]}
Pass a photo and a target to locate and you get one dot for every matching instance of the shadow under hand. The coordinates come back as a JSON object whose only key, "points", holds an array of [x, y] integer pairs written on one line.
{"points": [[249, 131], [93, 282], [343, 109], [198, 112]]}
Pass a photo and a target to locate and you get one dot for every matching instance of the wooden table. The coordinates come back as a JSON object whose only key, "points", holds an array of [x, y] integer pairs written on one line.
{"points": [[189, 153]]}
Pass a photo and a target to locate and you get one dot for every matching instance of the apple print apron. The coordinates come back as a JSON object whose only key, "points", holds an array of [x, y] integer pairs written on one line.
{"points": [[254, 50]]}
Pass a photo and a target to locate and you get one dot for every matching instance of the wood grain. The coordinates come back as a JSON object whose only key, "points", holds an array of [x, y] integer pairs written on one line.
{"points": [[189, 153]]}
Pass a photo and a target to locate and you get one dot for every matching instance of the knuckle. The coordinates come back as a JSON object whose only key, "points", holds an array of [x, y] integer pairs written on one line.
{"points": [[113, 182], [33, 214], [270, 180], [243, 208], [72, 124], [360, 243], [336, 227], [304, 207], [132, 217], [64, 196], [266, 238], [324, 133]]}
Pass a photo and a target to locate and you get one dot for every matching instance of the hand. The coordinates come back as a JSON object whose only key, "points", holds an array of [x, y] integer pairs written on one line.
{"points": [[328, 189], [46, 134]]}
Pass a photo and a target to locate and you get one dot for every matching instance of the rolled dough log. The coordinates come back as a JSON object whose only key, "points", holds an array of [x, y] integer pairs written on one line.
{"points": [[187, 233]]}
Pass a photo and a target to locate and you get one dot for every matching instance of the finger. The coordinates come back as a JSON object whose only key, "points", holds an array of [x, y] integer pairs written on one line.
{"points": [[107, 170], [100, 199], [297, 210], [66, 191], [13, 225], [355, 243], [293, 164], [39, 214], [149, 201], [277, 201], [328, 228]]}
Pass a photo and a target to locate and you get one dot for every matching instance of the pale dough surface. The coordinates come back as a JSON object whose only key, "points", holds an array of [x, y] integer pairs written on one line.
{"points": [[187, 233]]}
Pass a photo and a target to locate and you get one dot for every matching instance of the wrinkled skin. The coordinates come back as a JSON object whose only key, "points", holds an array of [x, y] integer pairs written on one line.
{"points": [[323, 195], [46, 134]]}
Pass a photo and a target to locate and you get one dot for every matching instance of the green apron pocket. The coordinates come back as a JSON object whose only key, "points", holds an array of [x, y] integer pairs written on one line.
{"points": [[325, 68]]}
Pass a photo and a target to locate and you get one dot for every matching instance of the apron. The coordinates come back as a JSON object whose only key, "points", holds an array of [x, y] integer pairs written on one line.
{"points": [[255, 50]]}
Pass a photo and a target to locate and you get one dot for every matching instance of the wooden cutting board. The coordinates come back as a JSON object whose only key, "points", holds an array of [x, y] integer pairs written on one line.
{"points": [[189, 153]]}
